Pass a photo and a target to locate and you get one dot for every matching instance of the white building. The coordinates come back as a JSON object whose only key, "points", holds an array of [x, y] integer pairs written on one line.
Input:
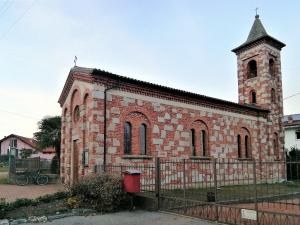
{"points": [[291, 125]]}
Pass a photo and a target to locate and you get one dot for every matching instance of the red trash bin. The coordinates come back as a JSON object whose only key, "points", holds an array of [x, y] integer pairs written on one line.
{"points": [[132, 181]]}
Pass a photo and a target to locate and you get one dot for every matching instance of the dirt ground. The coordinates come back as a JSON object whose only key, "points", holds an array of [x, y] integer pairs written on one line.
{"points": [[12, 192]]}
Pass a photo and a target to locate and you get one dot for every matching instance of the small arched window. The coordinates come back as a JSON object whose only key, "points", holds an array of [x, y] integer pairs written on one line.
{"points": [[203, 144], [252, 69], [143, 139], [239, 146], [193, 142], [127, 138], [247, 146], [253, 97], [271, 67], [273, 97]]}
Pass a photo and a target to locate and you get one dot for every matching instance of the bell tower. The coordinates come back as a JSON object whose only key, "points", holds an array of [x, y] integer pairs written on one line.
{"points": [[260, 83]]}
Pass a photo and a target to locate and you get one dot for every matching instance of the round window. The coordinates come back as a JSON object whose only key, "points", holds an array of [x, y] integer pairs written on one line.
{"points": [[76, 114]]}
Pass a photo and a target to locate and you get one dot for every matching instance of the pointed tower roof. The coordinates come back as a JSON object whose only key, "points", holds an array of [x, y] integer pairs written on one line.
{"points": [[257, 34], [257, 30]]}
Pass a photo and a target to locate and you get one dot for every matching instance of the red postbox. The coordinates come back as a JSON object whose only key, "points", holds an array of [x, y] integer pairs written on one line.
{"points": [[132, 181]]}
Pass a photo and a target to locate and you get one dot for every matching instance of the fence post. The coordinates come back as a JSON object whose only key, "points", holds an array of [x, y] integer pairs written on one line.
{"points": [[157, 181], [216, 188], [255, 189]]}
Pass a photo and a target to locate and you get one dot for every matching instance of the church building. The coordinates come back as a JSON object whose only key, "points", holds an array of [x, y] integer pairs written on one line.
{"points": [[109, 118]]}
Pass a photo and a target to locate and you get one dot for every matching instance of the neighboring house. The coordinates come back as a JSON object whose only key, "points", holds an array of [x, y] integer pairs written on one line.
{"points": [[291, 126], [19, 143], [145, 120]]}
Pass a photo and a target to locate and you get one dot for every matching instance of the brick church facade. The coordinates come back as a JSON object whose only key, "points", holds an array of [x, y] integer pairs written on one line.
{"points": [[144, 120]]}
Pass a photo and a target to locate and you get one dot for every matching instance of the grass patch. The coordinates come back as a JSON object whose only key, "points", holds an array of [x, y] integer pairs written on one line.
{"points": [[236, 192], [3, 169], [5, 180]]}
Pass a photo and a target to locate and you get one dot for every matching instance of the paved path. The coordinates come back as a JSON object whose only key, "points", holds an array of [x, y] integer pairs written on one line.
{"points": [[138, 217], [13, 192]]}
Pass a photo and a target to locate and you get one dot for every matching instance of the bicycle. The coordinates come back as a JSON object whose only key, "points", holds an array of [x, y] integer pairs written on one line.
{"points": [[32, 177]]}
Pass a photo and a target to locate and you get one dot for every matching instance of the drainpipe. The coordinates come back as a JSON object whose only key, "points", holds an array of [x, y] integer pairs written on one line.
{"points": [[105, 123]]}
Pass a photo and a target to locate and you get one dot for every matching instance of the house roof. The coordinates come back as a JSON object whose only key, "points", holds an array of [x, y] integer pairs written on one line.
{"points": [[259, 33], [30, 141], [291, 120], [98, 75]]}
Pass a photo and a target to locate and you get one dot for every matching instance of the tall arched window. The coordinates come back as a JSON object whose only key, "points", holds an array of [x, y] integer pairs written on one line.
{"points": [[76, 114], [252, 69], [127, 138], [271, 67], [143, 139], [203, 139], [273, 97], [199, 139], [239, 146], [193, 142], [247, 147], [253, 97]]}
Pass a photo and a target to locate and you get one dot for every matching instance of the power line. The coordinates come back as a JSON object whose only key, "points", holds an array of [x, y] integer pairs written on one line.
{"points": [[19, 114], [5, 7], [17, 20], [291, 96]]}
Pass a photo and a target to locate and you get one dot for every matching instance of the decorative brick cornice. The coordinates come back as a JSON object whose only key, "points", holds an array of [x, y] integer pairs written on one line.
{"points": [[76, 73], [153, 90], [158, 91]]}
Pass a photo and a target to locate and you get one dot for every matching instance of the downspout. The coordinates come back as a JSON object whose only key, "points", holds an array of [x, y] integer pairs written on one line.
{"points": [[105, 123]]}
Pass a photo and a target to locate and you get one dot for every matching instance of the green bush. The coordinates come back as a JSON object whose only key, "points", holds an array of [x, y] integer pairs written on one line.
{"points": [[104, 192], [54, 167]]}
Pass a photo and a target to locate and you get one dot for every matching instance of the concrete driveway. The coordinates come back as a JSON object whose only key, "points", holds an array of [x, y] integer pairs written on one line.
{"points": [[138, 217]]}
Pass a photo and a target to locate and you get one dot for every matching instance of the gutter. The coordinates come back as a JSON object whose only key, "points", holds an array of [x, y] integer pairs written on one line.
{"points": [[105, 122]]}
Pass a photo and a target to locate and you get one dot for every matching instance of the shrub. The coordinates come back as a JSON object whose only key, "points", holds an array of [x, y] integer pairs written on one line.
{"points": [[54, 167], [73, 202], [104, 192]]}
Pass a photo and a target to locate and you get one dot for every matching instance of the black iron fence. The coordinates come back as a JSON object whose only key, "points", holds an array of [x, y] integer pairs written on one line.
{"points": [[228, 191]]}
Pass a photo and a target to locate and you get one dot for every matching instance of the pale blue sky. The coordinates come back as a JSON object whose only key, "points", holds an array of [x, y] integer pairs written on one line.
{"points": [[182, 44]]}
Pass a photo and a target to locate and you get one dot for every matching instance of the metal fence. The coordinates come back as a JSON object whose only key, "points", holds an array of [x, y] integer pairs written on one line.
{"points": [[31, 164], [227, 191]]}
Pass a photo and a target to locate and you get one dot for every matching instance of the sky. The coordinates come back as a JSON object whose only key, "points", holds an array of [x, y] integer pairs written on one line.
{"points": [[181, 44]]}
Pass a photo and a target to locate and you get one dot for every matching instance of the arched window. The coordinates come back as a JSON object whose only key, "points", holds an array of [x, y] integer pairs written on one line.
{"points": [[193, 142], [275, 146], [127, 138], [247, 147], [239, 146], [199, 139], [203, 144], [143, 139], [273, 97], [76, 114], [252, 69], [271, 67], [253, 97]]}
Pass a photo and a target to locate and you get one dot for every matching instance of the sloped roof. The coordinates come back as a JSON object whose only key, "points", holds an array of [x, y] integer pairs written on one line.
{"points": [[257, 33], [30, 141], [291, 120]]}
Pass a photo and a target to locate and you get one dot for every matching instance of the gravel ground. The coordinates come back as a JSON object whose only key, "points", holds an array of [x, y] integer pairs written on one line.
{"points": [[138, 217], [12, 192]]}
